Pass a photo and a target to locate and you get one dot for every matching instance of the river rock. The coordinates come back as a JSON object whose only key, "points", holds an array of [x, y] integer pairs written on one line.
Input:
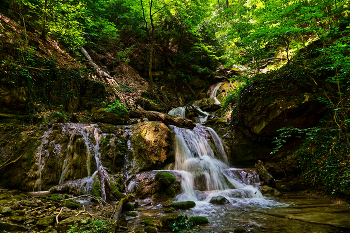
{"points": [[219, 200], [152, 143], [43, 223], [64, 225], [264, 175]]}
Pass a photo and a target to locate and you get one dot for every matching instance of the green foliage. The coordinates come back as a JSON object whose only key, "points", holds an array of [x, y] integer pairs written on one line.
{"points": [[183, 224], [117, 108], [93, 226]]}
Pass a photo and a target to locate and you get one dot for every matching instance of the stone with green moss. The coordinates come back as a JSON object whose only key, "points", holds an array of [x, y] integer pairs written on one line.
{"points": [[150, 229], [71, 204], [43, 223], [165, 178], [131, 213], [166, 222], [184, 205], [169, 210], [199, 220], [116, 192], [148, 221], [96, 188]]}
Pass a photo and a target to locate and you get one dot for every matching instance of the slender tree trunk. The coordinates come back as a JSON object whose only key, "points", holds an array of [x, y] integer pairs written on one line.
{"points": [[227, 4], [43, 31], [152, 47]]}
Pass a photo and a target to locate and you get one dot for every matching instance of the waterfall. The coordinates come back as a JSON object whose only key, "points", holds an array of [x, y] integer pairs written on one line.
{"points": [[40, 154], [201, 159], [212, 92]]}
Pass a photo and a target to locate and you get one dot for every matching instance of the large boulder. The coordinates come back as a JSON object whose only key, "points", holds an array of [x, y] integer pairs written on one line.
{"points": [[156, 184], [152, 146]]}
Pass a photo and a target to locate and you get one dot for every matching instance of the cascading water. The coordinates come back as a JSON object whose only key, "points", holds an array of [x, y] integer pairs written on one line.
{"points": [[206, 173], [212, 92]]}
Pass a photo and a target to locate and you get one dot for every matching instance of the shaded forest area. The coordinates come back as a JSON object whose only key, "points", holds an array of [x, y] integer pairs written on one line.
{"points": [[61, 60]]}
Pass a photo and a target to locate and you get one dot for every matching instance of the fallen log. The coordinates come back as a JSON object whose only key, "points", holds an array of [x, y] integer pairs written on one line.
{"points": [[163, 117]]}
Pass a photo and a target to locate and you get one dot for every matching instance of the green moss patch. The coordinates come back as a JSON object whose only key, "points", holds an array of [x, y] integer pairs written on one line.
{"points": [[183, 205]]}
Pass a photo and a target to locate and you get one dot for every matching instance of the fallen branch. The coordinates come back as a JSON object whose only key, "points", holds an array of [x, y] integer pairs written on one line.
{"points": [[59, 214]]}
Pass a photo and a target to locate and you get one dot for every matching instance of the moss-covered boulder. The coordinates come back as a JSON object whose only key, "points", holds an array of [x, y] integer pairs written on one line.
{"points": [[265, 176], [104, 116], [152, 143], [148, 221], [43, 223], [150, 229], [183, 205], [157, 184], [166, 222], [199, 220]]}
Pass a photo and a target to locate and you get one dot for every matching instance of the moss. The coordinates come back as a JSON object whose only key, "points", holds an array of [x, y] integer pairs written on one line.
{"points": [[166, 222], [148, 221], [240, 230], [131, 213], [150, 229], [71, 204], [183, 205], [165, 178], [199, 220], [115, 191], [96, 188]]}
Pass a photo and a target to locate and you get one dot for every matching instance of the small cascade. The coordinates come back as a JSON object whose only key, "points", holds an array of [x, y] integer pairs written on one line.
{"points": [[40, 154], [75, 144], [212, 92], [201, 159]]}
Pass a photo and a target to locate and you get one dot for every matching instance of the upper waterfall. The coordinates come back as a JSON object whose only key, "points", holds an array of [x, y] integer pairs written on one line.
{"points": [[201, 158]]}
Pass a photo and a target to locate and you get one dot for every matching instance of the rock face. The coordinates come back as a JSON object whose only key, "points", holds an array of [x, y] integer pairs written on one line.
{"points": [[152, 144], [41, 158], [265, 107]]}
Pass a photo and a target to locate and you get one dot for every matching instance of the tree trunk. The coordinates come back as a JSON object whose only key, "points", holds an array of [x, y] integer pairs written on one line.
{"points": [[43, 31], [227, 4]]}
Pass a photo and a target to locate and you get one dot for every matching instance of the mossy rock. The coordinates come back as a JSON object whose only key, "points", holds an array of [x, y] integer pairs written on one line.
{"points": [[131, 213], [96, 188], [199, 220], [166, 222], [43, 223], [165, 178], [116, 193], [150, 229], [71, 204], [148, 221], [183, 205]]}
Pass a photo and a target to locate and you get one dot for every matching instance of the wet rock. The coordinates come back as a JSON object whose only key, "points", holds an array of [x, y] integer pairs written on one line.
{"points": [[71, 204], [269, 191], [169, 210], [104, 116], [264, 175], [10, 227], [146, 185], [43, 223], [183, 205], [208, 104], [131, 213], [200, 182], [152, 144], [219, 200]]}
